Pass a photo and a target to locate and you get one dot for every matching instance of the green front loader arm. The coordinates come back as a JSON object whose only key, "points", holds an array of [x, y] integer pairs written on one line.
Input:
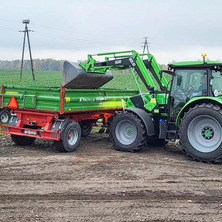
{"points": [[148, 70], [156, 69]]}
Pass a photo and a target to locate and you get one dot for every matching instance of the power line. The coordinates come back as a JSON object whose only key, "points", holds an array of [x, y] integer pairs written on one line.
{"points": [[26, 32], [67, 38], [146, 45], [8, 29], [7, 20], [80, 33]]}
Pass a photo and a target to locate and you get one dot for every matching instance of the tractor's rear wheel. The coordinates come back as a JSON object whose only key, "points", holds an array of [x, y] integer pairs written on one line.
{"points": [[201, 132], [70, 137], [22, 140], [127, 132]]}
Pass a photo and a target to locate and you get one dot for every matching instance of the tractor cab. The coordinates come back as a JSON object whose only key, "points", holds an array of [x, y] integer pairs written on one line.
{"points": [[194, 79]]}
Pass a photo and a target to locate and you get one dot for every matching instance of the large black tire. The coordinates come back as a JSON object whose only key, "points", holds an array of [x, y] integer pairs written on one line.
{"points": [[201, 133], [127, 132], [5, 116], [22, 140], [69, 137]]}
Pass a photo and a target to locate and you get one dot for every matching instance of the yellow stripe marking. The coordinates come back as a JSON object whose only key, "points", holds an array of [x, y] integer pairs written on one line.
{"points": [[11, 92]]}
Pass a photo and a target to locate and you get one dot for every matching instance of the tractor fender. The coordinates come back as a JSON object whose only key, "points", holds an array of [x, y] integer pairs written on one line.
{"points": [[147, 120], [193, 102]]}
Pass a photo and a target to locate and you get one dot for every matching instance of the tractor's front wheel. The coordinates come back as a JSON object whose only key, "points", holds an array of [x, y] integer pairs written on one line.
{"points": [[201, 132], [127, 132]]}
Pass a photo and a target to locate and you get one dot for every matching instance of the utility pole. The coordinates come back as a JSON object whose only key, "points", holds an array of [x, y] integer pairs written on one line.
{"points": [[26, 33], [146, 45]]}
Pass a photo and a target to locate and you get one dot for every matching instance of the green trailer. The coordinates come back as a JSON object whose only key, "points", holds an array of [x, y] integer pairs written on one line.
{"points": [[65, 101], [59, 114]]}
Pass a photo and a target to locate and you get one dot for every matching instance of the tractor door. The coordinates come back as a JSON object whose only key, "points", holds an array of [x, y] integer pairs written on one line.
{"points": [[187, 83]]}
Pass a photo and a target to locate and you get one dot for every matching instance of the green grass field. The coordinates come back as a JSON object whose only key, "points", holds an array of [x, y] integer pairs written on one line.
{"points": [[54, 79], [43, 78]]}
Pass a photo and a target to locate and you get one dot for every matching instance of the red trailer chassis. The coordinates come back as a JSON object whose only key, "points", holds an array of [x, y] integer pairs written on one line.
{"points": [[48, 125]]}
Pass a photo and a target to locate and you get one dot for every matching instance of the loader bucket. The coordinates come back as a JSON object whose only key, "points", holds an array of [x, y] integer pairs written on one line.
{"points": [[75, 77]]}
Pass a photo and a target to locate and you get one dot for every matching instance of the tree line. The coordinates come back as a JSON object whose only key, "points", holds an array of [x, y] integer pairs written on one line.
{"points": [[39, 64]]}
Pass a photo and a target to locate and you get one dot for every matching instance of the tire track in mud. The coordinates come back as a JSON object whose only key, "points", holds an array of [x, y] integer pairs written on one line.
{"points": [[213, 196]]}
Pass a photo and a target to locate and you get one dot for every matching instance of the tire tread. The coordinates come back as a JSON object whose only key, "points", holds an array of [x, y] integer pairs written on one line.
{"points": [[189, 154], [144, 134]]}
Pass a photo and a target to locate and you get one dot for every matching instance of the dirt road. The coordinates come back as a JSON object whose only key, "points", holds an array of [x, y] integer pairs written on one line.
{"points": [[97, 183]]}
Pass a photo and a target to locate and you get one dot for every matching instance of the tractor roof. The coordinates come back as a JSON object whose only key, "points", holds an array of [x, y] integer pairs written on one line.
{"points": [[195, 64]]}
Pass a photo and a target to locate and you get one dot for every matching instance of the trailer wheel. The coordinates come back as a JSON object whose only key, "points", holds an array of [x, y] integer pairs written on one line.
{"points": [[86, 128], [201, 132], [22, 140], [127, 132], [5, 116], [70, 137]]}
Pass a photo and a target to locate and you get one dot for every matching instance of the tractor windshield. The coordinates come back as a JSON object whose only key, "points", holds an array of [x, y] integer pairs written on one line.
{"points": [[217, 83], [190, 81], [187, 83]]}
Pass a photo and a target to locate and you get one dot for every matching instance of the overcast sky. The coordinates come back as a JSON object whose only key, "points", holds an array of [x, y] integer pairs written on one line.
{"points": [[71, 29]]}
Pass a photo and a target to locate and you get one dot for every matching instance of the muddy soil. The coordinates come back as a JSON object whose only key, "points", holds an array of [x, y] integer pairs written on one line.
{"points": [[98, 183]]}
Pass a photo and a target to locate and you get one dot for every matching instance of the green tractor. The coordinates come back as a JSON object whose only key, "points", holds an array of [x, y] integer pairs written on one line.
{"points": [[183, 102]]}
